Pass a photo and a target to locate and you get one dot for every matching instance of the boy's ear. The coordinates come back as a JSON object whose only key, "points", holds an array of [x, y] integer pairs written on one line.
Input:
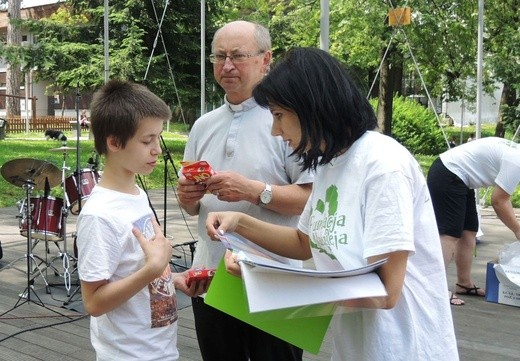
{"points": [[113, 144]]}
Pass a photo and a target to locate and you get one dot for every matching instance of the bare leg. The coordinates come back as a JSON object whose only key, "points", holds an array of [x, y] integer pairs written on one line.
{"points": [[449, 247], [464, 260]]}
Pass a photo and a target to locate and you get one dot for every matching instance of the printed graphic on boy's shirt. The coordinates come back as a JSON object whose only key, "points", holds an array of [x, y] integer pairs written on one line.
{"points": [[326, 224], [163, 301]]}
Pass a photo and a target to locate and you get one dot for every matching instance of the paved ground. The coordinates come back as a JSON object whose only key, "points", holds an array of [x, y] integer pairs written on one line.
{"points": [[485, 331]]}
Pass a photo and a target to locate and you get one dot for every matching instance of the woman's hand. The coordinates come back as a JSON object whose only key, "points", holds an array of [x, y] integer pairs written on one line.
{"points": [[219, 223], [232, 266]]}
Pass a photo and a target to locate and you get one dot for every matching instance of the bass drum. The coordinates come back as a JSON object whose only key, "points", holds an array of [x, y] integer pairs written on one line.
{"points": [[46, 215]]}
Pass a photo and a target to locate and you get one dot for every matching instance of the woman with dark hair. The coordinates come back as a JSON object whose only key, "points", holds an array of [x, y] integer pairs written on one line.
{"points": [[369, 202]]}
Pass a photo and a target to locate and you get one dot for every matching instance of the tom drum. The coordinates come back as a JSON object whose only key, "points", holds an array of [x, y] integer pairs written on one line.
{"points": [[88, 179]]}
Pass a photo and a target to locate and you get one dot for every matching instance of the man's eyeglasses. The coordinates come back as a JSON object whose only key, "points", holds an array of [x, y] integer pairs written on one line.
{"points": [[235, 58]]}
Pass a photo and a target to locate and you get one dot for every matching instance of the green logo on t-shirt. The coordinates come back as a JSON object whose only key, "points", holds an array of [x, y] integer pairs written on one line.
{"points": [[326, 224]]}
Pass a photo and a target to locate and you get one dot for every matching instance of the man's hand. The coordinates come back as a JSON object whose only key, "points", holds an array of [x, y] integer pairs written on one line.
{"points": [[234, 187], [189, 194]]}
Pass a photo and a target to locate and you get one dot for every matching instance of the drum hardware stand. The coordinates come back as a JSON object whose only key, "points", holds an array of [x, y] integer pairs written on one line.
{"points": [[80, 197], [65, 256], [33, 269], [76, 290], [26, 294]]}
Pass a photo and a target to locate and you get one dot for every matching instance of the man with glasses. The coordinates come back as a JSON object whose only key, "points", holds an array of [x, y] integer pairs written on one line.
{"points": [[255, 174]]}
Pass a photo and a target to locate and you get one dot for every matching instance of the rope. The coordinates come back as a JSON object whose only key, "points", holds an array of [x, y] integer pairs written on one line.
{"points": [[159, 34], [400, 28]]}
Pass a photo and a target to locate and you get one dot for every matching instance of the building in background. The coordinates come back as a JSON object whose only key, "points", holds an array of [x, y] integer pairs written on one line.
{"points": [[46, 104]]}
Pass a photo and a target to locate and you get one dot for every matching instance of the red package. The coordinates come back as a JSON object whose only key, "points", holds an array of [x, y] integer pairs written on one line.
{"points": [[199, 274], [197, 171]]}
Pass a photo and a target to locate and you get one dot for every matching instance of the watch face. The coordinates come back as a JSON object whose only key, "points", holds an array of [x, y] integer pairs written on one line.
{"points": [[265, 197]]}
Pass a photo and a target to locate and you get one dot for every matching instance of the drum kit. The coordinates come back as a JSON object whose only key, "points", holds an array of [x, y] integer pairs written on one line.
{"points": [[44, 217]]}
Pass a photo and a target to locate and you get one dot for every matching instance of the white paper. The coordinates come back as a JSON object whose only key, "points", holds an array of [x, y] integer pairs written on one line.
{"points": [[265, 265], [508, 275], [235, 242], [273, 284], [268, 291]]}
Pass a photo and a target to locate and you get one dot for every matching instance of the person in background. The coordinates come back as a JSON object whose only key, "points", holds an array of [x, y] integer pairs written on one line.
{"points": [[453, 142], [452, 180], [369, 202], [255, 173], [83, 121], [126, 282]]}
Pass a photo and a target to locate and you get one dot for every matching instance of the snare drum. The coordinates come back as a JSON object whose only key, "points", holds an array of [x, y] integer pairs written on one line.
{"points": [[89, 179], [46, 213]]}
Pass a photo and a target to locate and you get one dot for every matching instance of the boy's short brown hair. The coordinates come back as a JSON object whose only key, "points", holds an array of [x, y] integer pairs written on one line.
{"points": [[118, 107]]}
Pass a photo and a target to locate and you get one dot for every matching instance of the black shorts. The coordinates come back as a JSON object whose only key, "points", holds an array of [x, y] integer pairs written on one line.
{"points": [[453, 202]]}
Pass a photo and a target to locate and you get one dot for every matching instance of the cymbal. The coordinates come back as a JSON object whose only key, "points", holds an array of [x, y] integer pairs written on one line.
{"points": [[31, 171], [62, 149]]}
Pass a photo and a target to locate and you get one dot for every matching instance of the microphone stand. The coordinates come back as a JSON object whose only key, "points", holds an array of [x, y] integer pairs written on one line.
{"points": [[167, 157], [191, 244]]}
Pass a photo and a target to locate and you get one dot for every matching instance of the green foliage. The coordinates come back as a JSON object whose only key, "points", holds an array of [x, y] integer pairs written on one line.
{"points": [[503, 40], [69, 52], [462, 134], [440, 40], [443, 39], [416, 127], [511, 116]]}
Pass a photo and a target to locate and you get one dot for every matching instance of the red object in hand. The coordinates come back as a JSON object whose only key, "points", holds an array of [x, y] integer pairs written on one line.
{"points": [[197, 171], [199, 274]]}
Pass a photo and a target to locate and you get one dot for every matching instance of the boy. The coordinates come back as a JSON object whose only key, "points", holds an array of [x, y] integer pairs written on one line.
{"points": [[127, 285]]}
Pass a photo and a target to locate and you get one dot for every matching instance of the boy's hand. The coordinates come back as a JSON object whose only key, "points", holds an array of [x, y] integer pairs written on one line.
{"points": [[157, 250], [195, 288]]}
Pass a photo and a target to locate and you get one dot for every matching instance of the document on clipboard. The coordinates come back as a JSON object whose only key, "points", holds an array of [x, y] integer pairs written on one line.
{"points": [[271, 284]]}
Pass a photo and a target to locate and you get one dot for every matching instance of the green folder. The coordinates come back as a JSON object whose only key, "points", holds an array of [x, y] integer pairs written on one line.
{"points": [[227, 294]]}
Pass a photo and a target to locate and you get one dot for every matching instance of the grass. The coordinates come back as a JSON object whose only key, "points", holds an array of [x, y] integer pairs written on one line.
{"points": [[34, 145]]}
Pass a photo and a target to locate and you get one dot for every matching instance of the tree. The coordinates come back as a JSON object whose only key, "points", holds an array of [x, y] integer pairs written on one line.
{"points": [[502, 43], [13, 74], [70, 50]]}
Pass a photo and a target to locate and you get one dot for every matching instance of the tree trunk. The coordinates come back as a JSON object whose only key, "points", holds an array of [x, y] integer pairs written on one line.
{"points": [[508, 98], [384, 109], [396, 75], [13, 72]]}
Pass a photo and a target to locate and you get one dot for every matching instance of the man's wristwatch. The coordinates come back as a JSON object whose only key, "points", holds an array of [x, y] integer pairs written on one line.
{"points": [[266, 196]]}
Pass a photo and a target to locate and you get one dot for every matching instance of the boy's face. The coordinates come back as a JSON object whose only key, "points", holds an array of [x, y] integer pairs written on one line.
{"points": [[142, 150]]}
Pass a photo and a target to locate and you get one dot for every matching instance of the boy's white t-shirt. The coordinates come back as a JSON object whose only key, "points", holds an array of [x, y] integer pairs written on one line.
{"points": [[369, 201], [144, 327]]}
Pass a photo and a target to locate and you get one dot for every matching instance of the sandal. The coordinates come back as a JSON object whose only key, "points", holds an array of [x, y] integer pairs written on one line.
{"points": [[470, 291], [455, 301]]}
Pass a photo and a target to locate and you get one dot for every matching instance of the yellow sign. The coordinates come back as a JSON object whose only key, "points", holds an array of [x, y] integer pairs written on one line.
{"points": [[399, 16]]}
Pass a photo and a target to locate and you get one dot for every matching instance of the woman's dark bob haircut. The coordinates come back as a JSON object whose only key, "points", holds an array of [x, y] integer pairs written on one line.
{"points": [[331, 110]]}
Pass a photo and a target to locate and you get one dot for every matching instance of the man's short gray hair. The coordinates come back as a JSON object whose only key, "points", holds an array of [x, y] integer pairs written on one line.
{"points": [[261, 36]]}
